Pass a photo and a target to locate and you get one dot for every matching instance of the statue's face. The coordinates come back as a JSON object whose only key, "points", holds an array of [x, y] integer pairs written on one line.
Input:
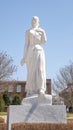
{"points": [[35, 22]]}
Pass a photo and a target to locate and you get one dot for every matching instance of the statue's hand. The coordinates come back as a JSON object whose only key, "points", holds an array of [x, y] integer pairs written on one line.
{"points": [[22, 62], [40, 30]]}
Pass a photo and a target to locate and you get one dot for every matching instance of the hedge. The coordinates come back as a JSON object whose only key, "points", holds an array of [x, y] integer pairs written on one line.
{"points": [[38, 126], [41, 126], [3, 126]]}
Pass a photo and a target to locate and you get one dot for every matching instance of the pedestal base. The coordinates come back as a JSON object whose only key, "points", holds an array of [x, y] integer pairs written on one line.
{"points": [[36, 110], [38, 99]]}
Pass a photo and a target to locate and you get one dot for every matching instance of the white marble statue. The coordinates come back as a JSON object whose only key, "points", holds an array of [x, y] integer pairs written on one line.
{"points": [[34, 59]]}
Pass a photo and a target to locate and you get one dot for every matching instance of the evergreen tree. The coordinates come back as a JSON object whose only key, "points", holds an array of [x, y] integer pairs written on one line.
{"points": [[16, 100], [6, 99]]}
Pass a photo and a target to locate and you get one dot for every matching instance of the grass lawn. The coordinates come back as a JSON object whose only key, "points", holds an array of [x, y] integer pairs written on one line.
{"points": [[3, 113], [70, 116]]}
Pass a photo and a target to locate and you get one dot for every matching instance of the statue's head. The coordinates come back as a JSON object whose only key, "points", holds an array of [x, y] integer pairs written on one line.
{"points": [[35, 21]]}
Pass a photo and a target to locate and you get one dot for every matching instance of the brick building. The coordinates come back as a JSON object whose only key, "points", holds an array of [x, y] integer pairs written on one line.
{"points": [[18, 87]]}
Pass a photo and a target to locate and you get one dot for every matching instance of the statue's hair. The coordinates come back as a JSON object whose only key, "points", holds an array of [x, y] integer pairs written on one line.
{"points": [[35, 18]]}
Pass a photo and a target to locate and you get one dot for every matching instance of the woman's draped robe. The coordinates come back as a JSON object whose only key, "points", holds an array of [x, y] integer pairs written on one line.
{"points": [[35, 61]]}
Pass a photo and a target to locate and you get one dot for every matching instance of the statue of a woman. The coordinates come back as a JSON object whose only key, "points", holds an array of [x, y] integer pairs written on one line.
{"points": [[34, 59]]}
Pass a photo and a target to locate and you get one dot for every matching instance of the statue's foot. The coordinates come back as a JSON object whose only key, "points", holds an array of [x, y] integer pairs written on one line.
{"points": [[42, 93]]}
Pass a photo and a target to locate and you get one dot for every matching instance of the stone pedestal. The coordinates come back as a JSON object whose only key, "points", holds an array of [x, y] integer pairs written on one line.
{"points": [[36, 109], [38, 99]]}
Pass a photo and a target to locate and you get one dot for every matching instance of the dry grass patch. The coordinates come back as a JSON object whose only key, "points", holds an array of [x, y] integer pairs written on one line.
{"points": [[2, 120]]}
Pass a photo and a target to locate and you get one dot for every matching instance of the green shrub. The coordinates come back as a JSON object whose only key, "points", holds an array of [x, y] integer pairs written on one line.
{"points": [[6, 99], [2, 103], [16, 100]]}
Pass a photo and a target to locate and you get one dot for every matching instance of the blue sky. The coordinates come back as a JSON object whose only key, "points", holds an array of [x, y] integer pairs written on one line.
{"points": [[56, 18]]}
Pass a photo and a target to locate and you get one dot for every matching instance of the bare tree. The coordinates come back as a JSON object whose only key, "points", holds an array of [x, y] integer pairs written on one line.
{"points": [[64, 78], [63, 85], [6, 67]]}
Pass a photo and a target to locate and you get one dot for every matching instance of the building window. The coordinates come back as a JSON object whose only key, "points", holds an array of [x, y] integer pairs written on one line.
{"points": [[10, 88], [18, 88]]}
